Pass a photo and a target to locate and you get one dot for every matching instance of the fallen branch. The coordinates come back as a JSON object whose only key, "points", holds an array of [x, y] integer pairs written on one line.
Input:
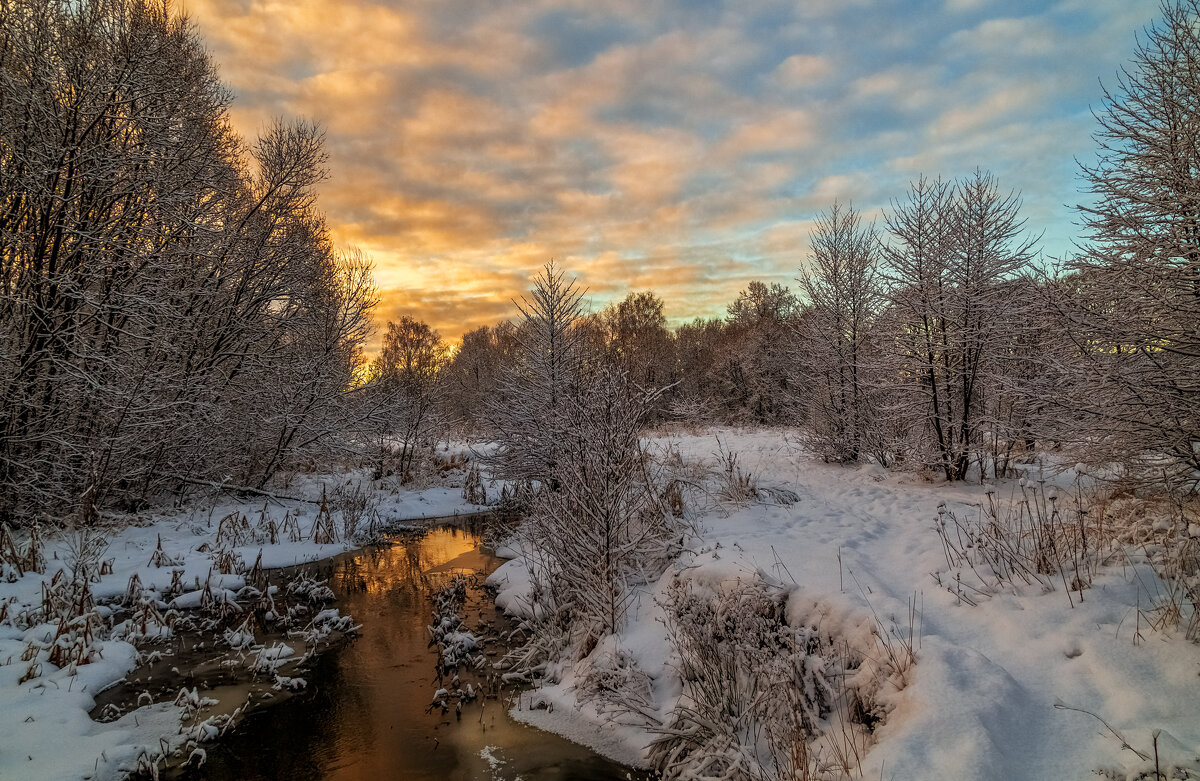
{"points": [[242, 489]]}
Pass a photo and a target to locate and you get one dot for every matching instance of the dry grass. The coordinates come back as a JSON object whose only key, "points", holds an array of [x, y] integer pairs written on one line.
{"points": [[766, 699], [1038, 537], [323, 530], [1052, 540], [473, 491], [357, 505]]}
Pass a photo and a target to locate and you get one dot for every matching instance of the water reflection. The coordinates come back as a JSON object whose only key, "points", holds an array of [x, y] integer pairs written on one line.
{"points": [[364, 717]]}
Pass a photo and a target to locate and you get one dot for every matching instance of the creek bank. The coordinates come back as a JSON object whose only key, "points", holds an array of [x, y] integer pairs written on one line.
{"points": [[369, 710]]}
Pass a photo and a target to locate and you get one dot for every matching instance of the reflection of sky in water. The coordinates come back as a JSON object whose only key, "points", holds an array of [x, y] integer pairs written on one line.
{"points": [[365, 719]]}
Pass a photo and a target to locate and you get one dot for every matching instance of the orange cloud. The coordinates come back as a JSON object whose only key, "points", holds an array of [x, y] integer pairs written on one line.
{"points": [[672, 146]]}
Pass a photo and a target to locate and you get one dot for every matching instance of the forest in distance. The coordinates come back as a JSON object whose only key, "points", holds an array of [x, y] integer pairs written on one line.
{"points": [[933, 404]]}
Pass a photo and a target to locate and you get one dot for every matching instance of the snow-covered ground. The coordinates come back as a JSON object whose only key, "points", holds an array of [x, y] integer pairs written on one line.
{"points": [[860, 546], [856, 549], [47, 732]]}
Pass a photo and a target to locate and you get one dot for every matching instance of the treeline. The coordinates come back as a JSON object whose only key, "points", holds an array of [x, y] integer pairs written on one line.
{"points": [[172, 310], [936, 341]]}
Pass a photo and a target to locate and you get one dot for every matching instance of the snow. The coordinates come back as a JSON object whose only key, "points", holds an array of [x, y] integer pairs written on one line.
{"points": [[1001, 690], [48, 713], [859, 546]]}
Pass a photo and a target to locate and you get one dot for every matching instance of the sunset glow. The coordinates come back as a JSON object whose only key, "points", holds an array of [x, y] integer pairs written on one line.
{"points": [[684, 147]]}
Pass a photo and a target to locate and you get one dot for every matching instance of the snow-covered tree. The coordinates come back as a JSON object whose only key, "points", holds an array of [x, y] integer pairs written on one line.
{"points": [[842, 294], [753, 369], [527, 415], [171, 306], [696, 345], [473, 374], [1130, 299], [599, 532], [406, 376], [638, 338], [952, 252]]}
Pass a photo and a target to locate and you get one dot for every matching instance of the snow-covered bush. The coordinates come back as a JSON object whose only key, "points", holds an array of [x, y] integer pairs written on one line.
{"points": [[602, 531], [611, 678], [724, 481], [773, 687], [753, 687]]}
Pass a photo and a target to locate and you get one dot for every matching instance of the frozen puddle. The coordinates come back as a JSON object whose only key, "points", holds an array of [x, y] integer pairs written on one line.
{"points": [[366, 712]]}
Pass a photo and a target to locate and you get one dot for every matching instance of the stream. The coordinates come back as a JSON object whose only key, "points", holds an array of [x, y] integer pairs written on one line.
{"points": [[365, 712]]}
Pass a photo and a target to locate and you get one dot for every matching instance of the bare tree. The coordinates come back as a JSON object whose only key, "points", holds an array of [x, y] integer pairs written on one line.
{"points": [[1130, 300], [951, 252], [843, 294]]}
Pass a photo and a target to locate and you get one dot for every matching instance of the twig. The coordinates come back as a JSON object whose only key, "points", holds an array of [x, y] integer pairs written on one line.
{"points": [[1060, 705], [240, 489]]}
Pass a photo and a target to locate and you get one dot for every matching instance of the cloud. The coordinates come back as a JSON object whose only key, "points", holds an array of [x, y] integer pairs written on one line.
{"points": [[802, 70], [997, 108], [1009, 38], [679, 146], [778, 131]]}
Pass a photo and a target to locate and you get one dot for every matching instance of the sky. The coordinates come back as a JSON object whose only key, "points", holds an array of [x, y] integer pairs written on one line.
{"points": [[680, 146]]}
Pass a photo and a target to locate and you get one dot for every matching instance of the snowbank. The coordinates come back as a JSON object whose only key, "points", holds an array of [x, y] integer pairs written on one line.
{"points": [[1001, 690]]}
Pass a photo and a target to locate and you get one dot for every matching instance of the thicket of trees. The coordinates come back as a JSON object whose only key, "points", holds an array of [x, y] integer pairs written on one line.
{"points": [[171, 307], [1129, 304]]}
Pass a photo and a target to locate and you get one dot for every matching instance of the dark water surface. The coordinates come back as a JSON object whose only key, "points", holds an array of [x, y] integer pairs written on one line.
{"points": [[364, 715]]}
